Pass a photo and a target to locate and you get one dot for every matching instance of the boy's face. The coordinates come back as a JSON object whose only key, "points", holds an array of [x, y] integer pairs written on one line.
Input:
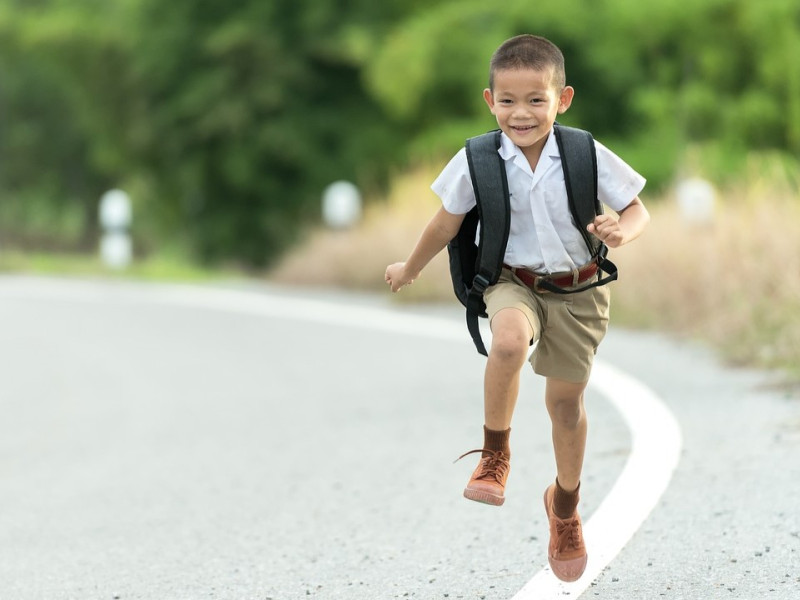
{"points": [[526, 105]]}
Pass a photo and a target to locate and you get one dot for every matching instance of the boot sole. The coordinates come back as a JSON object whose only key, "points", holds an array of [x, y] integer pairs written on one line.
{"points": [[484, 497], [568, 570]]}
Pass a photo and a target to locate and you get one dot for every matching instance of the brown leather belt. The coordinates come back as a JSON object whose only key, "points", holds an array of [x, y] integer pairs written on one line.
{"points": [[566, 279]]}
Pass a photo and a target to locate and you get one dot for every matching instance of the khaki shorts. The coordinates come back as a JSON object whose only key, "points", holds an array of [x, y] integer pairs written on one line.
{"points": [[568, 328]]}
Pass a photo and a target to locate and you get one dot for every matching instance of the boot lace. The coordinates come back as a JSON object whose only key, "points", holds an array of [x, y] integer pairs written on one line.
{"points": [[568, 534], [493, 466]]}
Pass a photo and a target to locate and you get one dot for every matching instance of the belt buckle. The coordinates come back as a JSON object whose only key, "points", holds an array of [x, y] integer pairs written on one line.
{"points": [[536, 279]]}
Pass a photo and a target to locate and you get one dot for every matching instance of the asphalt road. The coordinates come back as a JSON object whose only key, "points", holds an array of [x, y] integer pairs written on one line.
{"points": [[162, 442]]}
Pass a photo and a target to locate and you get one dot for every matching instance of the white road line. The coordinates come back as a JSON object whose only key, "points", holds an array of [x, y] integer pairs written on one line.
{"points": [[655, 433]]}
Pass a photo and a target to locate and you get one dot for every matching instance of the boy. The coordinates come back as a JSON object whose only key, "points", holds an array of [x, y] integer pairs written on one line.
{"points": [[527, 90]]}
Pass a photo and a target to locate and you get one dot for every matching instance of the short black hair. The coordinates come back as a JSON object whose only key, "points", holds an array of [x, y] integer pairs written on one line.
{"points": [[529, 52]]}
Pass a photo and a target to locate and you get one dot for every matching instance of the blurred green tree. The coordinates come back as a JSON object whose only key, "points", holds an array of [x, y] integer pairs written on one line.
{"points": [[651, 77], [225, 120], [252, 109], [58, 64]]}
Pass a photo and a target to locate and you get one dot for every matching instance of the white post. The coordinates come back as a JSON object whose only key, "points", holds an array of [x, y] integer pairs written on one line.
{"points": [[696, 198], [115, 219], [341, 205]]}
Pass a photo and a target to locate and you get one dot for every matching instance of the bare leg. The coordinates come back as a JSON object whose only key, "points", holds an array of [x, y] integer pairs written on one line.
{"points": [[511, 335], [565, 405]]}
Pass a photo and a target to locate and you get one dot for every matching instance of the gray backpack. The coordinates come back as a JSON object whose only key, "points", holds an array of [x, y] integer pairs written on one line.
{"points": [[474, 268]]}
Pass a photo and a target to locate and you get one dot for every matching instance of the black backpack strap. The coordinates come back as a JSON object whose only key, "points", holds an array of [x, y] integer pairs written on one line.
{"points": [[579, 162], [489, 181]]}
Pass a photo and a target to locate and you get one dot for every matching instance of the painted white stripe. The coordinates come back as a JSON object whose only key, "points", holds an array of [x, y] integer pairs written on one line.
{"points": [[655, 434]]}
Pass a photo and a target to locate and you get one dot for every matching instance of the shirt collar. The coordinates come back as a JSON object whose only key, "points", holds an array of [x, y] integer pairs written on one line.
{"points": [[510, 151]]}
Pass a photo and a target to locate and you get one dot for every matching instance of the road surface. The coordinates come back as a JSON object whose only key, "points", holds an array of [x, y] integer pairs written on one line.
{"points": [[238, 442]]}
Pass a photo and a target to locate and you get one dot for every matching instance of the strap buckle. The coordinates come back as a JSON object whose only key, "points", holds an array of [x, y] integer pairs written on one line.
{"points": [[479, 284], [602, 253]]}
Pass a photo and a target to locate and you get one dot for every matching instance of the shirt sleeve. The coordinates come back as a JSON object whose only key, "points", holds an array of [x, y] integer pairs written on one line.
{"points": [[617, 183], [454, 185]]}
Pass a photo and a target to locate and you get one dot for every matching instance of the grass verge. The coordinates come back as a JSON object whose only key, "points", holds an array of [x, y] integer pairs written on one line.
{"points": [[158, 267]]}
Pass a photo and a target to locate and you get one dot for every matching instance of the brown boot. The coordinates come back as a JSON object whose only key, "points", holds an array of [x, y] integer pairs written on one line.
{"points": [[566, 552], [488, 481]]}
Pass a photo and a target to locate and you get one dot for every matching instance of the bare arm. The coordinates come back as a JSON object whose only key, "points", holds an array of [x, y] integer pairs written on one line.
{"points": [[440, 230], [618, 231]]}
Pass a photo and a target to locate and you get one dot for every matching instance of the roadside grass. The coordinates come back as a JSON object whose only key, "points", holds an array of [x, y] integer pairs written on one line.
{"points": [[357, 258], [733, 284], [157, 267]]}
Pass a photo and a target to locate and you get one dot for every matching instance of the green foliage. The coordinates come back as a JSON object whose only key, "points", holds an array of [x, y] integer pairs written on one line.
{"points": [[225, 120], [650, 77], [61, 68], [253, 108]]}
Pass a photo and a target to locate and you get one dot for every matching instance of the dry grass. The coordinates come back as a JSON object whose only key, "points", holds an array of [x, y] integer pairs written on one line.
{"points": [[357, 258], [734, 284]]}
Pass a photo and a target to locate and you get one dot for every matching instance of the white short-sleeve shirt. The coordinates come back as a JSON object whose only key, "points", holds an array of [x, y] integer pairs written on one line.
{"points": [[543, 235]]}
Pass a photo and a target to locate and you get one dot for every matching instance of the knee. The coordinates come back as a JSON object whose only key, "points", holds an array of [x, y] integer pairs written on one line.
{"points": [[566, 412], [510, 346]]}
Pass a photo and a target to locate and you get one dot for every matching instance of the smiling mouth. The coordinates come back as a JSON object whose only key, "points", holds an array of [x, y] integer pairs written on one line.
{"points": [[522, 127]]}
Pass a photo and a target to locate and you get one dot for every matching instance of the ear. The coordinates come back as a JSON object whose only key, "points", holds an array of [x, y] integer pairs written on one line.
{"points": [[565, 99], [489, 98]]}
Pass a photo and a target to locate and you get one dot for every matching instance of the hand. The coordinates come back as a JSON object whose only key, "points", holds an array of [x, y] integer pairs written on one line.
{"points": [[397, 277], [607, 229]]}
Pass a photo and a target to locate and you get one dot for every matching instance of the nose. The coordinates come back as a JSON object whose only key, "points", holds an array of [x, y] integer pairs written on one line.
{"points": [[521, 111]]}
